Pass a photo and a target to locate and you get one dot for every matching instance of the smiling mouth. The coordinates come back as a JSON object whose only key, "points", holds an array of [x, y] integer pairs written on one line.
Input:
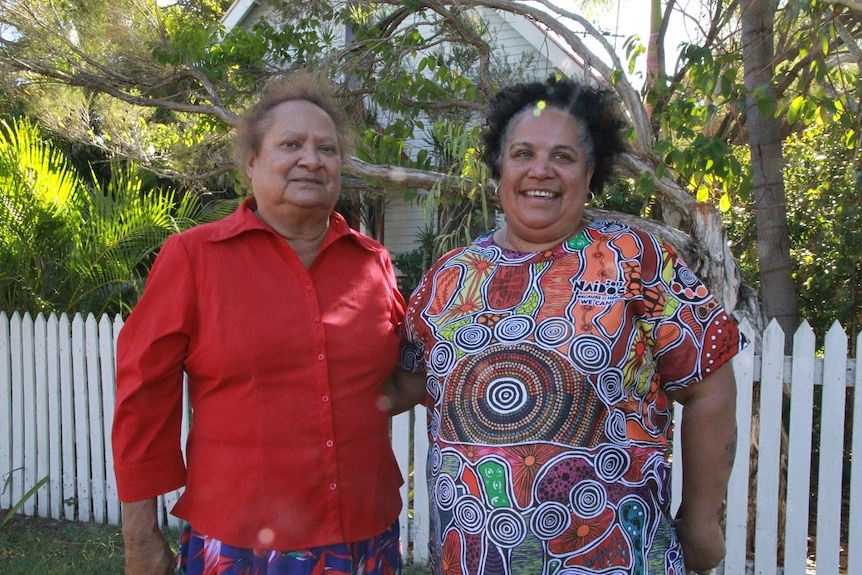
{"points": [[543, 194]]}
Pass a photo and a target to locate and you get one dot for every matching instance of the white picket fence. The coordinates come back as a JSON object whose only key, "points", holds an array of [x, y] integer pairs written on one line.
{"points": [[57, 399]]}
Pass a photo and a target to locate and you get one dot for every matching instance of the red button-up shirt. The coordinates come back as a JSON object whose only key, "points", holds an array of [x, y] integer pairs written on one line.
{"points": [[287, 449]]}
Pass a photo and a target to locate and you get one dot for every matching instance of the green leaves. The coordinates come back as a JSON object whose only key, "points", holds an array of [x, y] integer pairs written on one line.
{"points": [[823, 184], [69, 247]]}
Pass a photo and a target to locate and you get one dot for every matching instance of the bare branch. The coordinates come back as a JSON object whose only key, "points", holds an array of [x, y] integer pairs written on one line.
{"points": [[854, 5], [99, 83], [402, 178]]}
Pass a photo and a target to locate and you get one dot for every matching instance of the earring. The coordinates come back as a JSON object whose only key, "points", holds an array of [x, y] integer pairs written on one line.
{"points": [[591, 197]]}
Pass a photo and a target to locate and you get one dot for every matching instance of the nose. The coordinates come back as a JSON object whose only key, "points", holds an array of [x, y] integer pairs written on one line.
{"points": [[540, 167], [309, 157]]}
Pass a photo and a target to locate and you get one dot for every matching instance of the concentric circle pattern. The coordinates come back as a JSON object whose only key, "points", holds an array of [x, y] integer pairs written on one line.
{"points": [[590, 354], [445, 492], [589, 499], [506, 527], [615, 427], [553, 332], [610, 385], [516, 394], [442, 358], [469, 514], [550, 520], [513, 329], [473, 337], [687, 277], [611, 463]]}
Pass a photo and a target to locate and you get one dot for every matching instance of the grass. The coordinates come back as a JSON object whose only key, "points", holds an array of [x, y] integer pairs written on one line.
{"points": [[36, 546], [31, 546]]}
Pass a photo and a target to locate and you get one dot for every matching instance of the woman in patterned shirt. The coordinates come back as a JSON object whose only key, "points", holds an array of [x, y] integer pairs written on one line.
{"points": [[551, 351]]}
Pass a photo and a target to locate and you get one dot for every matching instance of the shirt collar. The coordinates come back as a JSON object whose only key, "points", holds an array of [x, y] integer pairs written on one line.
{"points": [[243, 220]]}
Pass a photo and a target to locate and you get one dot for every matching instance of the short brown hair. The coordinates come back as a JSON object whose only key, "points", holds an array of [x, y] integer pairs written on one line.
{"points": [[301, 85]]}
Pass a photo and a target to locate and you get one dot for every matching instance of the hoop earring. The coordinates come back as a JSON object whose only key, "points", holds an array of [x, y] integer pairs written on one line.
{"points": [[591, 197]]}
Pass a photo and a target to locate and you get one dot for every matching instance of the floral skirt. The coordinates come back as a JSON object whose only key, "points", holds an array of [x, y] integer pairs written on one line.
{"points": [[203, 555]]}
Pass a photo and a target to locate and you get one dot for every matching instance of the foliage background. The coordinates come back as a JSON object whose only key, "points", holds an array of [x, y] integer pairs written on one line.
{"points": [[143, 97]]}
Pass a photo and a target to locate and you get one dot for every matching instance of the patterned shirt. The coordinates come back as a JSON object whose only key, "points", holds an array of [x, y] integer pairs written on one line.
{"points": [[548, 418]]}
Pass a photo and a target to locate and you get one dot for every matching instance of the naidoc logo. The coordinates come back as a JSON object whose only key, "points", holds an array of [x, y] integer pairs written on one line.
{"points": [[598, 292]]}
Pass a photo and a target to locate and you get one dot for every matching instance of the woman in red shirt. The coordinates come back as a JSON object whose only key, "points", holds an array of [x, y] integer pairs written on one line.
{"points": [[284, 321]]}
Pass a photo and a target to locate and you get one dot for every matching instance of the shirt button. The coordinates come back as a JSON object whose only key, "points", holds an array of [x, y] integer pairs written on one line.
{"points": [[308, 288], [332, 486], [320, 357], [324, 399], [315, 319], [329, 443]]}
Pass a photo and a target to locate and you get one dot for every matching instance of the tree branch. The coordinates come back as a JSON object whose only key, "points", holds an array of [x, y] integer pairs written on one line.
{"points": [[854, 5], [98, 83]]}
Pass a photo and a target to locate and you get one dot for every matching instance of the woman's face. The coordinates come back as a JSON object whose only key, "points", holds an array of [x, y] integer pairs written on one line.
{"points": [[297, 170], [544, 178]]}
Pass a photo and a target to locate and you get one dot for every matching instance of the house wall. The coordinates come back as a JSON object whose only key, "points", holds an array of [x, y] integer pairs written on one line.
{"points": [[404, 220], [519, 35]]}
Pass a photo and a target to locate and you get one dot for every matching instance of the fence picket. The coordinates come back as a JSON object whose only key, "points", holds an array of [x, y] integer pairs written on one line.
{"points": [[82, 440], [401, 447], [769, 450], [55, 408], [737, 489], [6, 421], [831, 450], [96, 426], [57, 379], [28, 364], [854, 528], [43, 439], [420, 530], [67, 395], [676, 470], [16, 440], [799, 452], [106, 383], [29, 405]]}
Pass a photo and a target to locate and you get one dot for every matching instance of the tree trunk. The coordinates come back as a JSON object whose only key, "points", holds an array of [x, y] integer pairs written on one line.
{"points": [[777, 291], [655, 64]]}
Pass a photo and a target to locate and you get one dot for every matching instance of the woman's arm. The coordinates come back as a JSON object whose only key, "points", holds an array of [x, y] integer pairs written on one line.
{"points": [[708, 450], [146, 549]]}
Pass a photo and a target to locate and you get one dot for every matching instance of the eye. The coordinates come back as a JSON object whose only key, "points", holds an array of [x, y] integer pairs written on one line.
{"points": [[329, 149], [290, 144]]}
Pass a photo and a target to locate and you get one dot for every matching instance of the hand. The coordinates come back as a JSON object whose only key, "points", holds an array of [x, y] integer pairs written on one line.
{"points": [[703, 545], [151, 556], [401, 391], [146, 549]]}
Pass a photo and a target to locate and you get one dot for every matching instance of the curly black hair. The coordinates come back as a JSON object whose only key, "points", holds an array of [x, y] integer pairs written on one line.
{"points": [[594, 109]]}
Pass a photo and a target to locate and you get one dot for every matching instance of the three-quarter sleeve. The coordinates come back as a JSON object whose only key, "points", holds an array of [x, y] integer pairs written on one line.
{"points": [[151, 349]]}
